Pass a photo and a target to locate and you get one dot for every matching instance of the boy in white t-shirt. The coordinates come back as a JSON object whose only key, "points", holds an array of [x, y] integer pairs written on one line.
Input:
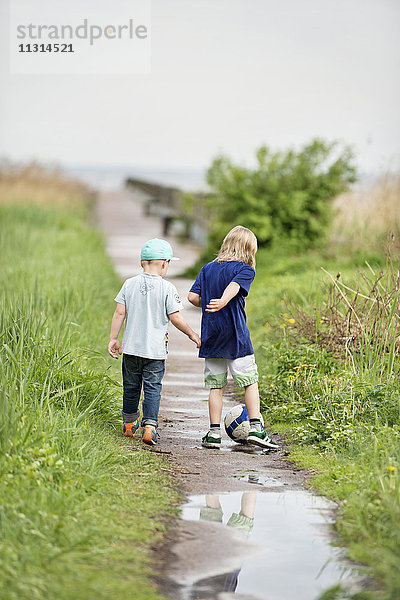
{"points": [[146, 303]]}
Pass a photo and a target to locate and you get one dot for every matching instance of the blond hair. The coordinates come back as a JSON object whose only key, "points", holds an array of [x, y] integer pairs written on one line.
{"points": [[239, 244]]}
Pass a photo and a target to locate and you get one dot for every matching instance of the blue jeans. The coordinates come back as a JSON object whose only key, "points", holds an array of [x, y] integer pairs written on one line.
{"points": [[137, 372]]}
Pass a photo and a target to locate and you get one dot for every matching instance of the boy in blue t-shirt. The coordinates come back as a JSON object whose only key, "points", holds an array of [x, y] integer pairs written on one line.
{"points": [[220, 290]]}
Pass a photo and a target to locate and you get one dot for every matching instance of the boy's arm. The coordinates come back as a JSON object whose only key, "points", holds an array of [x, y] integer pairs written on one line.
{"points": [[230, 292], [179, 322], [119, 317], [194, 299]]}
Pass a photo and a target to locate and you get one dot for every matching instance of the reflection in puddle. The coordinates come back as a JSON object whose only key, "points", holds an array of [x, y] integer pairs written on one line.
{"points": [[258, 545], [256, 478]]}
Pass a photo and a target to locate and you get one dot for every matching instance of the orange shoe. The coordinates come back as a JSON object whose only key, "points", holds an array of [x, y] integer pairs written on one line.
{"points": [[149, 435], [130, 428]]}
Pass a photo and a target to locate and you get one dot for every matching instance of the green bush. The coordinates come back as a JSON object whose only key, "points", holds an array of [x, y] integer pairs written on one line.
{"points": [[288, 195]]}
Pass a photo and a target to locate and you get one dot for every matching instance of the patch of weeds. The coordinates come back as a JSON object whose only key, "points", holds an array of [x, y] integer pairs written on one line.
{"points": [[76, 510], [339, 411]]}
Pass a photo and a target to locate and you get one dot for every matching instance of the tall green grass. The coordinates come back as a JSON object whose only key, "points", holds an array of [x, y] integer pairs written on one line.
{"points": [[342, 417], [79, 507]]}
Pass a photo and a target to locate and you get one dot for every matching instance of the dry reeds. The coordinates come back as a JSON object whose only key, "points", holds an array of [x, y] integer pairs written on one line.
{"points": [[369, 212], [361, 320], [34, 183]]}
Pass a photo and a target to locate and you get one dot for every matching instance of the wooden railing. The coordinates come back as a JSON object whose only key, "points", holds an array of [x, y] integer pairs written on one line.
{"points": [[183, 213]]}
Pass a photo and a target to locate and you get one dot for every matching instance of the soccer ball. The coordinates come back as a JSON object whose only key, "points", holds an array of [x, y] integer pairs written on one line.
{"points": [[237, 424]]}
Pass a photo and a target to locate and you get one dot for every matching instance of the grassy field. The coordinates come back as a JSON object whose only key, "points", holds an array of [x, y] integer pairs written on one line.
{"points": [[80, 508], [337, 399]]}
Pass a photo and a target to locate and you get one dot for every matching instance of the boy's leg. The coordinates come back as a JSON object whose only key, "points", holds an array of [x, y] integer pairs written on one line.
{"points": [[215, 373], [252, 401], [257, 434], [215, 378], [212, 439], [212, 511], [132, 386], [245, 374], [153, 372], [244, 521], [215, 405]]}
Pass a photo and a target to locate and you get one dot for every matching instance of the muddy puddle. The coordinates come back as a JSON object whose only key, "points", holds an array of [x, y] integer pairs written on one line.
{"points": [[263, 544]]}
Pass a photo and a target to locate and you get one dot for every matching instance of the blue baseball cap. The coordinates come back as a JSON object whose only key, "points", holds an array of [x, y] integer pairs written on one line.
{"points": [[156, 249]]}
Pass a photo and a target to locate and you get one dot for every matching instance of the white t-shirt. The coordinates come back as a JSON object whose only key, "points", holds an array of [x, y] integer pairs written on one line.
{"points": [[148, 299]]}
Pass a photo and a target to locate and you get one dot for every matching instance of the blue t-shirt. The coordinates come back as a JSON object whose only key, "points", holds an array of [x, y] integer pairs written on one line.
{"points": [[224, 334]]}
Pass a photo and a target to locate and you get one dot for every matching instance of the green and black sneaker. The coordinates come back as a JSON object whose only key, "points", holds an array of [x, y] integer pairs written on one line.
{"points": [[261, 438], [210, 440]]}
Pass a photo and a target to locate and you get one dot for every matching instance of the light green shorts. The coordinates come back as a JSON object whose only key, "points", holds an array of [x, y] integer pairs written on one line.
{"points": [[240, 521], [243, 370]]}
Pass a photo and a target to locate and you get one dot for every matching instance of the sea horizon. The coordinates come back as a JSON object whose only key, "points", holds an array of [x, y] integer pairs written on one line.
{"points": [[114, 177]]}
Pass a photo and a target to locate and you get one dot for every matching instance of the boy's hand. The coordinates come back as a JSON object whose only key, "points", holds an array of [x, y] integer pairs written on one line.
{"points": [[230, 292], [195, 338], [215, 305], [114, 348]]}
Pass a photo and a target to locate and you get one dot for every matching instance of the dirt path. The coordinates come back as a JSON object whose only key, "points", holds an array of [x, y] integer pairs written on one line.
{"points": [[183, 411], [198, 555]]}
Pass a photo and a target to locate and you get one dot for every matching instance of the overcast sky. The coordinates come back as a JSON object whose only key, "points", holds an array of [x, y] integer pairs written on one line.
{"points": [[227, 75]]}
